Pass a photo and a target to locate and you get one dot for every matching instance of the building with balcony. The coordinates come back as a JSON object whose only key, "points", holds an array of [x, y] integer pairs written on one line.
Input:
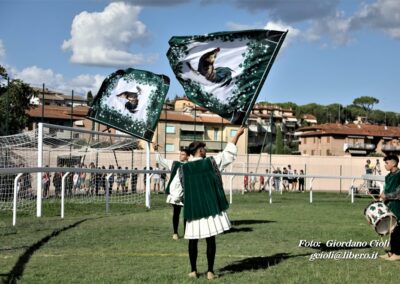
{"points": [[263, 123], [54, 98], [348, 139], [182, 123]]}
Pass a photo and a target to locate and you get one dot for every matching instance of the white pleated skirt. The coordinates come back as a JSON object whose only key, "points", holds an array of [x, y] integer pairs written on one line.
{"points": [[207, 227]]}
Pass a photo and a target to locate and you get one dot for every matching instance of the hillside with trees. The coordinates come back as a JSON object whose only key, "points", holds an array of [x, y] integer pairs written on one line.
{"points": [[361, 107]]}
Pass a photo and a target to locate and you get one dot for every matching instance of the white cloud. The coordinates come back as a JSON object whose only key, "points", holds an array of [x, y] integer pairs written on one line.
{"points": [[2, 51], [36, 76], [104, 38], [291, 36], [85, 83], [336, 27], [382, 15]]}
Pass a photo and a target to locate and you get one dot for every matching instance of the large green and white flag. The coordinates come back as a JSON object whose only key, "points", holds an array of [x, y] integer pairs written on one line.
{"points": [[131, 101], [224, 71]]}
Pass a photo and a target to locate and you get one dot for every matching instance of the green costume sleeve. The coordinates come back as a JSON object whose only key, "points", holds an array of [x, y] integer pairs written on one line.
{"points": [[392, 182]]}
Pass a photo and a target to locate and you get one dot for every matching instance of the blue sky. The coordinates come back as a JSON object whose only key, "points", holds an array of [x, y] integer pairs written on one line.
{"points": [[335, 51]]}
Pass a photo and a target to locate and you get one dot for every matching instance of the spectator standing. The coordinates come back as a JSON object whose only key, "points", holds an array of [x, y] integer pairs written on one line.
{"points": [[246, 183], [111, 180], [262, 184], [156, 180], [253, 181], [294, 181], [83, 179], [119, 181], [46, 183], [277, 180], [378, 167], [290, 177], [285, 179], [301, 181], [134, 179], [125, 181], [57, 178]]}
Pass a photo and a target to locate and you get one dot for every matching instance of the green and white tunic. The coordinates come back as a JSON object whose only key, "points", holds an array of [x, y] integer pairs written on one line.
{"points": [[205, 202], [174, 187], [392, 193]]}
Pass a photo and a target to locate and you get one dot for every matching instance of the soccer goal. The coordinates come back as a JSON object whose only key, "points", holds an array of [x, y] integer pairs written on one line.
{"points": [[80, 165], [18, 151]]}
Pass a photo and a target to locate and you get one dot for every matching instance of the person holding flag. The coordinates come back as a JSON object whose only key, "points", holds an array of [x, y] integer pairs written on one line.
{"points": [[205, 201], [174, 187]]}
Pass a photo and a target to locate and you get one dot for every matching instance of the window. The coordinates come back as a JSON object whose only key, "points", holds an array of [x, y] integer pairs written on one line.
{"points": [[169, 147], [304, 152], [170, 129], [305, 140], [312, 152], [233, 132], [328, 139], [216, 134]]}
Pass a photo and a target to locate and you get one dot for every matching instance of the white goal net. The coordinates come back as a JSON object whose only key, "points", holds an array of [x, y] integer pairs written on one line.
{"points": [[86, 162], [18, 151]]}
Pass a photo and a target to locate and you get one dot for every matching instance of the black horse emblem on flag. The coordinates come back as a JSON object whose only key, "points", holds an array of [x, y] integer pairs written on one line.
{"points": [[206, 68], [133, 99]]}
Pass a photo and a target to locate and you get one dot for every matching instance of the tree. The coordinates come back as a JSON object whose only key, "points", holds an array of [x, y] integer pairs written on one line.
{"points": [[279, 149], [89, 98], [366, 103], [14, 101]]}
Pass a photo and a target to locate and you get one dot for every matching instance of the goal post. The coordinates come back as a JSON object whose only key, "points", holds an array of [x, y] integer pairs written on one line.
{"points": [[45, 154], [39, 175]]}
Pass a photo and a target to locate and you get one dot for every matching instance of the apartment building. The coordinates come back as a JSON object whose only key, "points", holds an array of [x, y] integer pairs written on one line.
{"points": [[183, 122], [359, 139]]}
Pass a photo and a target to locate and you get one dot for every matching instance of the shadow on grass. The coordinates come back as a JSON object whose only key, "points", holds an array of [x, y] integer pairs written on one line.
{"points": [[238, 230], [250, 222], [259, 262], [245, 222], [18, 270], [264, 262]]}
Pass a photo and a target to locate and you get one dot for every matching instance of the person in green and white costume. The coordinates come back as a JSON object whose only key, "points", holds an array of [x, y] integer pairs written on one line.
{"points": [[391, 197], [205, 201], [174, 188]]}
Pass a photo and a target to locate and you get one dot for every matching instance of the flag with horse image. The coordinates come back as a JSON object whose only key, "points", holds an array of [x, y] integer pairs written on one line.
{"points": [[224, 72], [131, 101]]}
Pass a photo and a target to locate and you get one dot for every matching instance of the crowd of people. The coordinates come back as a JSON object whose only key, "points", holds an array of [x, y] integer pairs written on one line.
{"points": [[371, 169], [292, 181], [83, 183]]}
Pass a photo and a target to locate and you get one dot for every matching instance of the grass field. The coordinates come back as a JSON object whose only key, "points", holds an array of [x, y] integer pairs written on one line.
{"points": [[134, 245]]}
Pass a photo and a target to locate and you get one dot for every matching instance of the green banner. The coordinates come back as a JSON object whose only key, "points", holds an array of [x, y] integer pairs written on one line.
{"points": [[131, 101], [224, 72]]}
